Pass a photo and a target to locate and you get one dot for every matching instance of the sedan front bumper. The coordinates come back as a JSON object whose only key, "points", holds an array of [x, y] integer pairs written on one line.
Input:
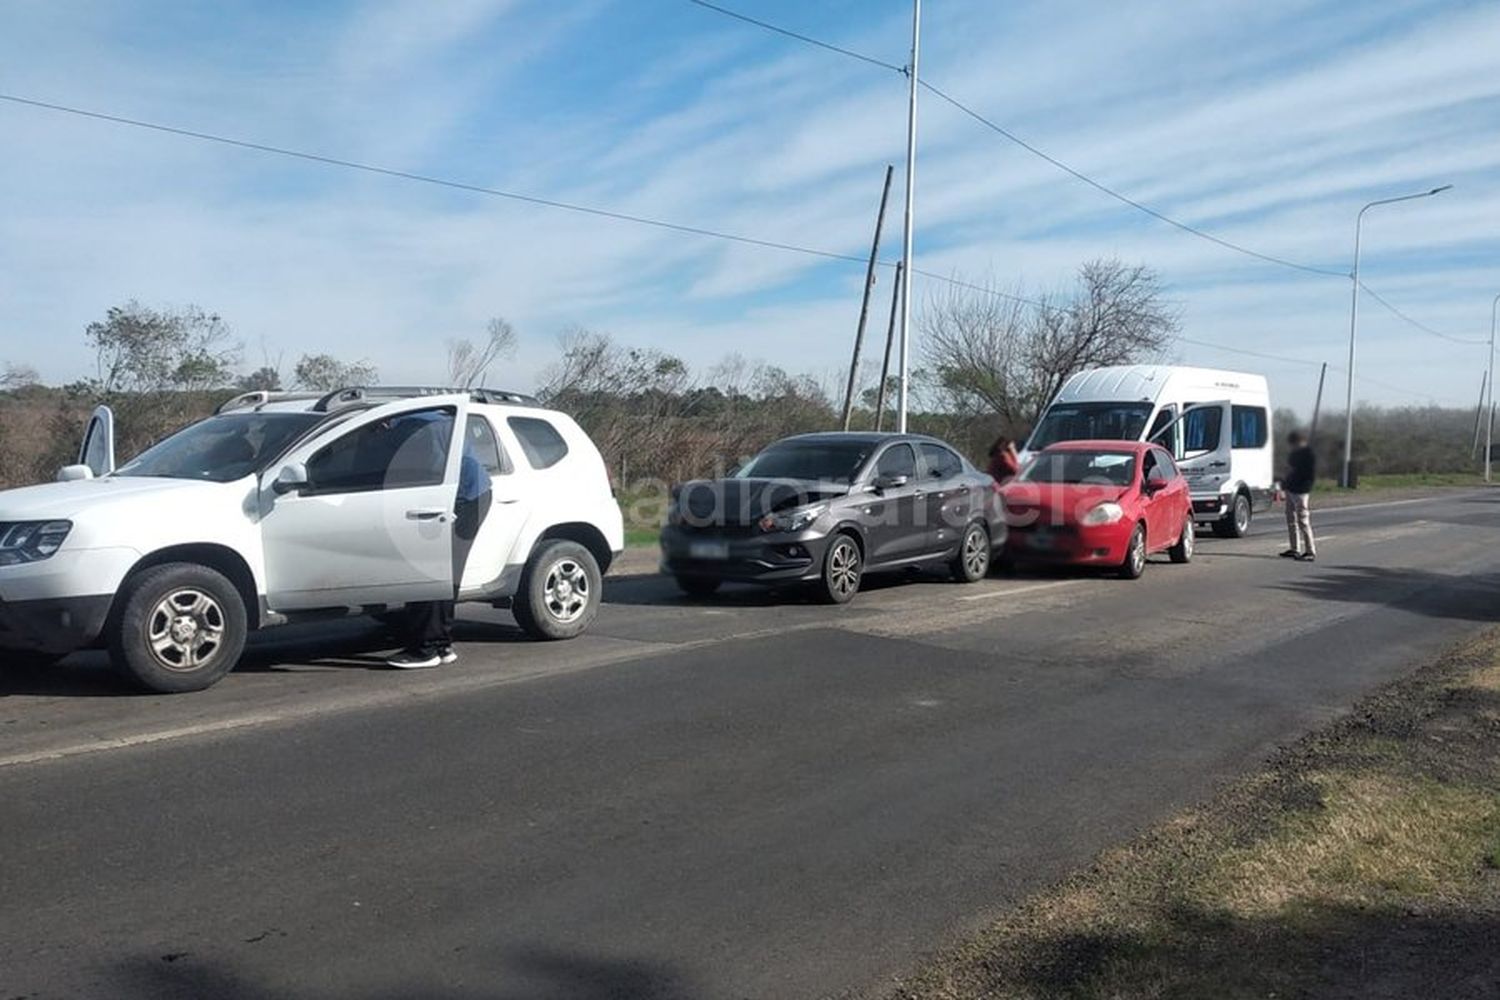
{"points": [[741, 557]]}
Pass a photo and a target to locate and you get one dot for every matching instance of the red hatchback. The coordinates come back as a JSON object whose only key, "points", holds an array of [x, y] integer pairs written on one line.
{"points": [[1099, 503]]}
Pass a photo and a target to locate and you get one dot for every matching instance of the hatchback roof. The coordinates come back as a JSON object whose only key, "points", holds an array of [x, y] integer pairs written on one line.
{"points": [[1101, 445]]}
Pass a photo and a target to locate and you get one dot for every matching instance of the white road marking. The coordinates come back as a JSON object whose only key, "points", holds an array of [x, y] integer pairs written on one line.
{"points": [[1015, 591]]}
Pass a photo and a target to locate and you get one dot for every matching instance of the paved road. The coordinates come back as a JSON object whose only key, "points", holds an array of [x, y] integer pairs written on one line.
{"points": [[753, 797]]}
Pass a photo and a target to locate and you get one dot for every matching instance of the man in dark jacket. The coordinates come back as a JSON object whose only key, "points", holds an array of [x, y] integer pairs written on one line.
{"points": [[1298, 485]]}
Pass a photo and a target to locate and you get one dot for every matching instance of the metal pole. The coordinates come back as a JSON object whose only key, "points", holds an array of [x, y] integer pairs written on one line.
{"points": [[890, 336], [1354, 320], [1312, 432], [1478, 416], [1490, 427], [911, 190], [864, 308]]}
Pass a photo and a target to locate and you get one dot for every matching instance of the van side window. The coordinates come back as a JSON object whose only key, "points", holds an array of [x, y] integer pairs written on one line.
{"points": [[1200, 429], [1251, 427], [544, 447]]}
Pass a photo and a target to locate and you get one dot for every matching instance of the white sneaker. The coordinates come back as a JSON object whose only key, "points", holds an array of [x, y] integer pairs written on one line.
{"points": [[414, 661], [447, 655]]}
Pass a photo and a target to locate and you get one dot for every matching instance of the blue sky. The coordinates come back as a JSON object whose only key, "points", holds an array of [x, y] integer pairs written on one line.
{"points": [[1269, 123]]}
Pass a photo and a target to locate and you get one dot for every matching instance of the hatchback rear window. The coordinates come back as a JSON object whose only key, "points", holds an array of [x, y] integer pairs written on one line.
{"points": [[543, 445]]}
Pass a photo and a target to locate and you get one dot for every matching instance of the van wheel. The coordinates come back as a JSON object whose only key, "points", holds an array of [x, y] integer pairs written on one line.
{"points": [[1235, 524], [1183, 551], [560, 591], [972, 563], [180, 627], [843, 568], [1135, 555]]}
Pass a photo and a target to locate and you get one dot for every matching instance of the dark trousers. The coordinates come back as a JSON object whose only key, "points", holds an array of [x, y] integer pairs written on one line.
{"points": [[429, 624]]}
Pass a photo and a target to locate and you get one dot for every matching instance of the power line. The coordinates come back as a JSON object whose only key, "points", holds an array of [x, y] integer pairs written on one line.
{"points": [[1029, 147], [1420, 326]]}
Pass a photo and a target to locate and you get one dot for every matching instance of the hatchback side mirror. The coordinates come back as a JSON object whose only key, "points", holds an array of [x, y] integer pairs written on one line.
{"points": [[1156, 480], [291, 479]]}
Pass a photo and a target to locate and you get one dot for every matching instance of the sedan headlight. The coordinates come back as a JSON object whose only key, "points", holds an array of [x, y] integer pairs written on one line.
{"points": [[792, 521], [1105, 513], [31, 541]]}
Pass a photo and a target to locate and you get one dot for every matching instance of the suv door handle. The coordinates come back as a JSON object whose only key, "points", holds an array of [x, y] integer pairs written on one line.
{"points": [[426, 514]]}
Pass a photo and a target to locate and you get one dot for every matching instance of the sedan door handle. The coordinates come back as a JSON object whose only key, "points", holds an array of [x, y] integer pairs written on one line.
{"points": [[426, 514]]}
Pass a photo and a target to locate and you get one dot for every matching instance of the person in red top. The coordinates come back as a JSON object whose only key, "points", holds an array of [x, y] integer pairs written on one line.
{"points": [[1005, 464]]}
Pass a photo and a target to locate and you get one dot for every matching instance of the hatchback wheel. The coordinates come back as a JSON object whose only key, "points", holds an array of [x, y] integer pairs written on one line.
{"points": [[560, 591], [843, 567], [1183, 551], [1135, 555], [972, 563], [180, 627]]}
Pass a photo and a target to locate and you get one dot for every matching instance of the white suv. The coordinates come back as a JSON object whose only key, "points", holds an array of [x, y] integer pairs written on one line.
{"points": [[282, 507]]}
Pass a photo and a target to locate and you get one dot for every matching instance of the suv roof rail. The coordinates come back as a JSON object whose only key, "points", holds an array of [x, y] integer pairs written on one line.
{"points": [[356, 394], [259, 397]]}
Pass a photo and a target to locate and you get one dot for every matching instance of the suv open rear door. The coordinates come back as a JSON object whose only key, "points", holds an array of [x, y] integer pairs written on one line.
{"points": [[98, 448]]}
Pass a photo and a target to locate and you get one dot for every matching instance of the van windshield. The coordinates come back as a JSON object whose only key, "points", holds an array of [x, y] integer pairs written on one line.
{"points": [[1091, 422]]}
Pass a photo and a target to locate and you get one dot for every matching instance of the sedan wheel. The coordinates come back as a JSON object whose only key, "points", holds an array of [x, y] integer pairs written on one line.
{"points": [[1135, 555], [843, 567], [973, 560]]}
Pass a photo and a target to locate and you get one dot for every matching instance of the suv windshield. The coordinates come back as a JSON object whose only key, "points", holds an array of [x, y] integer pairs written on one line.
{"points": [[1101, 468], [814, 461], [1091, 422], [221, 449]]}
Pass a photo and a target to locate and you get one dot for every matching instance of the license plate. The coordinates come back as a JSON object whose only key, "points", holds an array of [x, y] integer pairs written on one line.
{"points": [[709, 550]]}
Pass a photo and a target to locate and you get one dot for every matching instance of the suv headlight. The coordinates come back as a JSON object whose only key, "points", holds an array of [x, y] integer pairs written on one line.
{"points": [[31, 541], [792, 521], [1105, 513]]}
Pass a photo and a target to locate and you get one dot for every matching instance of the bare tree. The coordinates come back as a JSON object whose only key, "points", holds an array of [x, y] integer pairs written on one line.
{"points": [[325, 373], [468, 362], [987, 352], [17, 376]]}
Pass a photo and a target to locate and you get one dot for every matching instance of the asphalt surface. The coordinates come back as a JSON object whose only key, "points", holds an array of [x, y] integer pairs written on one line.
{"points": [[747, 797]]}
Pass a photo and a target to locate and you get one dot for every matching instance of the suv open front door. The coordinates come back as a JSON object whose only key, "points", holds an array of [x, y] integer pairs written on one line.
{"points": [[362, 514], [98, 448]]}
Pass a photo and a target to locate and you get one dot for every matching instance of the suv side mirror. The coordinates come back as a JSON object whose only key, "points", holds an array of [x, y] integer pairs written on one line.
{"points": [[291, 478], [883, 483], [73, 473]]}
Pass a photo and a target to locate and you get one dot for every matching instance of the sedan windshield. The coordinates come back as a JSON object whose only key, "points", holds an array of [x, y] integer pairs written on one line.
{"points": [[221, 449], [1091, 422], [1093, 468], [814, 461]]}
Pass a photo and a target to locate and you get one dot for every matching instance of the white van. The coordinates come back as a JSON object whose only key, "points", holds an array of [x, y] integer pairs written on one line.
{"points": [[1217, 423]]}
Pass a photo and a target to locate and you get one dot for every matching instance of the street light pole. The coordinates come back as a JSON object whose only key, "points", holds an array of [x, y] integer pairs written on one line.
{"points": [[1354, 321], [1489, 425], [911, 190]]}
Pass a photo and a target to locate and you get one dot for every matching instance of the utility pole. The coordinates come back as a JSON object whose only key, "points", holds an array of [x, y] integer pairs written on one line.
{"points": [[1312, 432], [911, 191], [890, 335], [1489, 433], [864, 308], [1478, 416]]}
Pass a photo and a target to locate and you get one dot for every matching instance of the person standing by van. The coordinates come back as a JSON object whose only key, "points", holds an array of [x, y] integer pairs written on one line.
{"points": [[1298, 484]]}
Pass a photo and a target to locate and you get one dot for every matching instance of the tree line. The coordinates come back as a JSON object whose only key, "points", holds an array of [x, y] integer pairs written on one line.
{"points": [[988, 362]]}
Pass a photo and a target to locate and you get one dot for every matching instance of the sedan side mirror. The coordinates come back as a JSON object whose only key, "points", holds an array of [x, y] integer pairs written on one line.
{"points": [[883, 483], [292, 478]]}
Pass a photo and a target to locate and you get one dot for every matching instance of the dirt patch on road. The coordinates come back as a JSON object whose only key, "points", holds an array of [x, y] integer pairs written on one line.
{"points": [[1364, 861]]}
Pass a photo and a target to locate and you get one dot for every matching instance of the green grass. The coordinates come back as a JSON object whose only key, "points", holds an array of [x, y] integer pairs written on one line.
{"points": [[1405, 481], [642, 536]]}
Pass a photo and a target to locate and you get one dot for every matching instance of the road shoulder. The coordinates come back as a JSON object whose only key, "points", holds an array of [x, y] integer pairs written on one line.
{"points": [[1364, 860]]}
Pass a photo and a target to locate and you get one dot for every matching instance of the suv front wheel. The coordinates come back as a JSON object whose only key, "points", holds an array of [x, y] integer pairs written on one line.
{"points": [[560, 591], [180, 627]]}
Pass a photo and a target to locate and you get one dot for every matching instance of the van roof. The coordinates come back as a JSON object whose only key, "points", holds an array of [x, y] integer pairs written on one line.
{"points": [[1148, 382]]}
